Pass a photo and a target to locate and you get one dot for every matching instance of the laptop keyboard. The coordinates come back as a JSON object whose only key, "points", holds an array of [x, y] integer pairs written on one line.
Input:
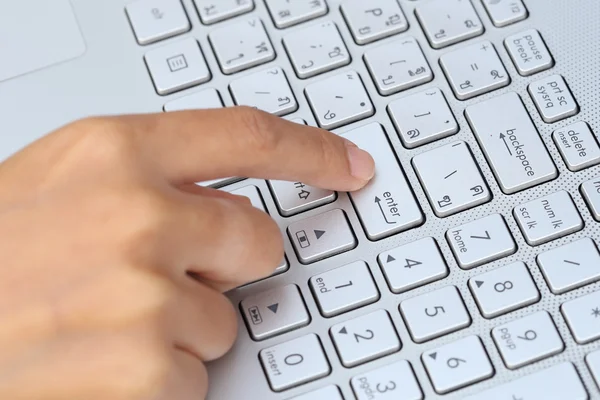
{"points": [[319, 59]]}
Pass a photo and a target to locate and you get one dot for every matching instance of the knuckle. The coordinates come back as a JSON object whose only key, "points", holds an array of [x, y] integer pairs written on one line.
{"points": [[260, 135], [229, 327], [102, 138], [151, 374]]}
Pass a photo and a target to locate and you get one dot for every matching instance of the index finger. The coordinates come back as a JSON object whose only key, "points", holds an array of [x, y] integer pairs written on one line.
{"points": [[192, 146]]}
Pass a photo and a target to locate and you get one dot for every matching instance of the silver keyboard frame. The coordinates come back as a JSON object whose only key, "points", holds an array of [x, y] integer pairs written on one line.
{"points": [[570, 30]]}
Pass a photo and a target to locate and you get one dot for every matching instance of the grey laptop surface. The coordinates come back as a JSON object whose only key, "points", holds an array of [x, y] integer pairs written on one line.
{"points": [[468, 268]]}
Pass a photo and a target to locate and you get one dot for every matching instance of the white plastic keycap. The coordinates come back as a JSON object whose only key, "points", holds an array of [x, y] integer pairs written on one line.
{"points": [[177, 66], [374, 19], [212, 11], [560, 382], [344, 288], [295, 197], [241, 45], [266, 90], [583, 317], [286, 13], [527, 340], [294, 362], [274, 312], [504, 289], [577, 145], [339, 100], [422, 118], [553, 98], [316, 49], [412, 265], [457, 364], [447, 22], [321, 236], [591, 193], [529, 52], [398, 65], [481, 241], [330, 392], [154, 20], [205, 99], [386, 205], [365, 338], [547, 218], [570, 266], [503, 13], [474, 70], [395, 381], [457, 186], [435, 314], [511, 143]]}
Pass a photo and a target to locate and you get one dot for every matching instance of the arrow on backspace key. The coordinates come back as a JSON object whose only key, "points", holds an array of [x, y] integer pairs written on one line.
{"points": [[503, 138]]}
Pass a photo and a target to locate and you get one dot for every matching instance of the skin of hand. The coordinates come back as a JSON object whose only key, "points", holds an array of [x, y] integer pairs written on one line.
{"points": [[102, 230]]}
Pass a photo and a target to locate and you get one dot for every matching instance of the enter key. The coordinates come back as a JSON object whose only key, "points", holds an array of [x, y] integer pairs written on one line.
{"points": [[386, 205]]}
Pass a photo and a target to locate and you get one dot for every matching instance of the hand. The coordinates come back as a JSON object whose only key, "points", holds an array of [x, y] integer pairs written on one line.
{"points": [[102, 228]]}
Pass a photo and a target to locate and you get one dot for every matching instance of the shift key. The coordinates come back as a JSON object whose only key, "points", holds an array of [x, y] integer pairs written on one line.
{"points": [[511, 143], [386, 205]]}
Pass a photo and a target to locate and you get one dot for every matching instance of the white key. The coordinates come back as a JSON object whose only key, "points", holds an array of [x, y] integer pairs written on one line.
{"points": [[212, 11], [457, 364], [154, 20], [339, 100], [295, 197], [527, 340], [205, 99], [591, 193], [316, 49], [391, 382], [435, 314], [528, 52], [330, 392], [386, 205], [481, 241], [560, 382], [547, 218], [577, 145], [451, 179], [503, 13], [373, 20], [511, 143], [583, 317], [294, 362], [365, 338], [266, 90], [322, 236], [570, 266], [446, 22], [422, 118], [412, 265], [286, 13], [474, 70], [398, 65], [274, 312], [504, 289], [177, 66], [593, 362], [241, 45], [253, 194], [344, 289], [553, 98]]}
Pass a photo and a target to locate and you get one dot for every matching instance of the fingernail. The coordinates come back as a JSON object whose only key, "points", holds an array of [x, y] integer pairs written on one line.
{"points": [[362, 165]]}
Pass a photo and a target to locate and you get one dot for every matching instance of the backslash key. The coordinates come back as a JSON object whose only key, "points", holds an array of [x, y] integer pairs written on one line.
{"points": [[386, 205]]}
